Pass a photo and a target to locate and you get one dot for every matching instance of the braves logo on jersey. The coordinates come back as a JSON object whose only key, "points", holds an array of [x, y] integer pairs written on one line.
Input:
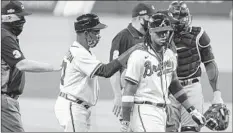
{"points": [[162, 68]]}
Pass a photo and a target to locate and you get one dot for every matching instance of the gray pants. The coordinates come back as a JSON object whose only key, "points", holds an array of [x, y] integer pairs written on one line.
{"points": [[10, 115]]}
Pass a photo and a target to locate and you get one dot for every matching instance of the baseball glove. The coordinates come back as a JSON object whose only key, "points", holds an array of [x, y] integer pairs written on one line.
{"points": [[217, 117]]}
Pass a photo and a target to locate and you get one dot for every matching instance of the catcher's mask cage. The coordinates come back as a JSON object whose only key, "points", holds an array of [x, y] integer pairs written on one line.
{"points": [[180, 12]]}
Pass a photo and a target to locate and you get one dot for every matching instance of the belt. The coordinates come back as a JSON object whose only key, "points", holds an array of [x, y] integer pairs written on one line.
{"points": [[73, 99], [161, 105], [14, 96], [188, 82]]}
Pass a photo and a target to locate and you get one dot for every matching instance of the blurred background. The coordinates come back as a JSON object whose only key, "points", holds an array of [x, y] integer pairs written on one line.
{"points": [[49, 32]]}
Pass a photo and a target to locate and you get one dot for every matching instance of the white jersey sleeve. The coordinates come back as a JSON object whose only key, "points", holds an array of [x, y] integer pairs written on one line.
{"points": [[87, 63], [135, 67]]}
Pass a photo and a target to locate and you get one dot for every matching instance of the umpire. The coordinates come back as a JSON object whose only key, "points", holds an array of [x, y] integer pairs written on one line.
{"points": [[14, 65]]}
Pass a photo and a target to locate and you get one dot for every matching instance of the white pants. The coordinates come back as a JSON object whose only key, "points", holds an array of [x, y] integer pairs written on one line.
{"points": [[72, 117], [148, 118]]}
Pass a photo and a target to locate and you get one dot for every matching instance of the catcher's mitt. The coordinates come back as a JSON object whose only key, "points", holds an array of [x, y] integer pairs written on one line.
{"points": [[217, 117]]}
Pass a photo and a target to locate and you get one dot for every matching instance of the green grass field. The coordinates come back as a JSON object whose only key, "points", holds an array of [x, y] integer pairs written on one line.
{"points": [[47, 38]]}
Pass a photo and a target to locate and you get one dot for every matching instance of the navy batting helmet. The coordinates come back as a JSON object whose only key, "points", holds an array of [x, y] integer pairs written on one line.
{"points": [[88, 22], [159, 22]]}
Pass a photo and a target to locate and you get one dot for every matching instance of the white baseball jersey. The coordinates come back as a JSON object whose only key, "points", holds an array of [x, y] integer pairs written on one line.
{"points": [[77, 78], [145, 69]]}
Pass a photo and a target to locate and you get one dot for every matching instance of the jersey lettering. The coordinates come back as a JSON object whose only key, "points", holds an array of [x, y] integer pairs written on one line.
{"points": [[150, 69]]}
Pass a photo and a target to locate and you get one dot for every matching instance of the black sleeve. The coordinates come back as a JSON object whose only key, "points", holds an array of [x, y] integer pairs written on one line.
{"points": [[107, 70], [115, 46], [119, 45], [11, 52]]}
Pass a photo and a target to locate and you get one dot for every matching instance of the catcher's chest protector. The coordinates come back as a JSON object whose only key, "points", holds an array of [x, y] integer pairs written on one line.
{"points": [[189, 57]]}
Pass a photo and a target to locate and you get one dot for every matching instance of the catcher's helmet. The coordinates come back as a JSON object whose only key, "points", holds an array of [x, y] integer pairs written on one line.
{"points": [[159, 22], [88, 22], [180, 12]]}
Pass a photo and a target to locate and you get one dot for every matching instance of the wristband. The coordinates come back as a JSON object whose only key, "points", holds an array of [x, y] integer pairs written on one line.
{"points": [[191, 109], [127, 98]]}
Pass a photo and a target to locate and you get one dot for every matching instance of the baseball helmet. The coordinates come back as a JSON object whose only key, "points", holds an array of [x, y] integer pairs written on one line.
{"points": [[159, 22], [88, 22], [181, 13]]}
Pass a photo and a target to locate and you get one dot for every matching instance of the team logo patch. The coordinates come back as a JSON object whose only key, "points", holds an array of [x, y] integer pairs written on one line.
{"points": [[22, 6], [143, 12], [115, 54], [16, 54], [11, 11], [153, 7]]}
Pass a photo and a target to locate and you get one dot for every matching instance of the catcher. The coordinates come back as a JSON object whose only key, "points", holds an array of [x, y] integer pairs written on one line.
{"points": [[193, 48]]}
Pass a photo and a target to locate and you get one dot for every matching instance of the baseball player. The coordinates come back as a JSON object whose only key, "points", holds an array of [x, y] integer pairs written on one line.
{"points": [[193, 48], [124, 40], [150, 74], [79, 88], [14, 65]]}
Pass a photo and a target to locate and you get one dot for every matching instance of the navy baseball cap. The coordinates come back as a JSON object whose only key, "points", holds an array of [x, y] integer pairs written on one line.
{"points": [[143, 9], [14, 7], [88, 22]]}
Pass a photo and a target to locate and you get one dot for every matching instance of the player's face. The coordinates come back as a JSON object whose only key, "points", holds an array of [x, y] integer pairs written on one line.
{"points": [[93, 38], [159, 38]]}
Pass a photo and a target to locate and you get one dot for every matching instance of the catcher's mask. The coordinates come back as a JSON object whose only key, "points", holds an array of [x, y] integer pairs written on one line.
{"points": [[160, 29], [180, 12], [90, 25], [13, 13]]}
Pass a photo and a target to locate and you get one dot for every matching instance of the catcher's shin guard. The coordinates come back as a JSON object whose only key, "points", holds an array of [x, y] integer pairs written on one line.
{"points": [[189, 128]]}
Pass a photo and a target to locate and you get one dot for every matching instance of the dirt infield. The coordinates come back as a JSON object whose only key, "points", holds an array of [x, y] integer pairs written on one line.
{"points": [[38, 116]]}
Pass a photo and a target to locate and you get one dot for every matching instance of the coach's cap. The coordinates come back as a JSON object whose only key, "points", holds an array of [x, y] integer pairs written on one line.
{"points": [[143, 9], [13, 7], [88, 22]]}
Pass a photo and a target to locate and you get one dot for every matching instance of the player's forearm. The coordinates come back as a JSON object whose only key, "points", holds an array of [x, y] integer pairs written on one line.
{"points": [[128, 100], [107, 70], [115, 81], [212, 72], [178, 92], [34, 66]]}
